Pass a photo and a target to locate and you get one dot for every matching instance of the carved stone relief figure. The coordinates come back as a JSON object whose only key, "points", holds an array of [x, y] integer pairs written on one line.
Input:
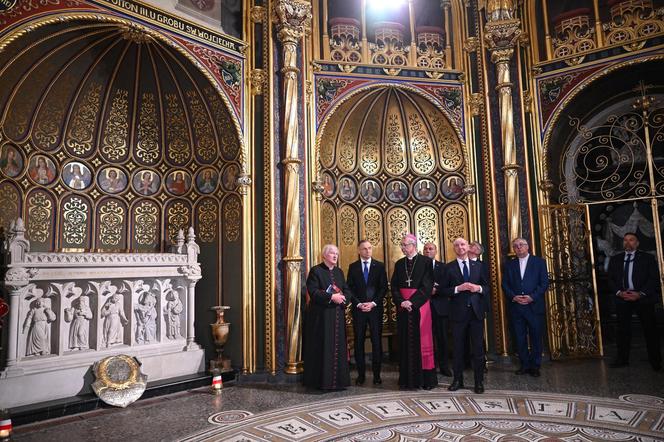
{"points": [[38, 327], [172, 312], [146, 318], [114, 320], [79, 314]]}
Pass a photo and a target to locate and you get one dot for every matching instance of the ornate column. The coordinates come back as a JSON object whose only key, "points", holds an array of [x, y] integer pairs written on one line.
{"points": [[500, 34], [193, 273], [292, 16]]}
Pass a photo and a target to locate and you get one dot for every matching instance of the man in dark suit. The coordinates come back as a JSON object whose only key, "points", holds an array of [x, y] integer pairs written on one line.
{"points": [[465, 284], [634, 280], [525, 279], [441, 307], [367, 280]]}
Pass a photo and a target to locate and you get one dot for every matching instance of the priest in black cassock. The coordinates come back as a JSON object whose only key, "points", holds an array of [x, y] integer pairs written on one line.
{"points": [[325, 352], [412, 282]]}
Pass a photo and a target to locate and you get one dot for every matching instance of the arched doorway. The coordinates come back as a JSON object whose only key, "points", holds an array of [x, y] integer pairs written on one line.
{"points": [[112, 139], [605, 157], [391, 162]]}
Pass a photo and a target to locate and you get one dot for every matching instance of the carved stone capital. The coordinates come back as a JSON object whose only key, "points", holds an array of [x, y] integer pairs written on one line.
{"points": [[257, 79], [292, 17], [258, 14], [19, 276], [502, 35]]}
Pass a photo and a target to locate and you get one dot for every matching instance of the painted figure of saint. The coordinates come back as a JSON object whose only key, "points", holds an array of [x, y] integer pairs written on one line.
{"points": [[42, 170], [11, 162]]}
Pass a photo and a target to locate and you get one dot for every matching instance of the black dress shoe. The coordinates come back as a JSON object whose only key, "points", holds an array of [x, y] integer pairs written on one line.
{"points": [[445, 372], [455, 385], [535, 372], [359, 380], [521, 371], [377, 380], [479, 387], [618, 363]]}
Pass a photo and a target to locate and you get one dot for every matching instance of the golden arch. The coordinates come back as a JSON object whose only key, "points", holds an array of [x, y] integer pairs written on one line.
{"points": [[102, 17]]}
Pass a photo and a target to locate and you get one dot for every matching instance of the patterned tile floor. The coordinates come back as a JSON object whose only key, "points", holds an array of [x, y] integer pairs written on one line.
{"points": [[573, 400], [422, 416]]}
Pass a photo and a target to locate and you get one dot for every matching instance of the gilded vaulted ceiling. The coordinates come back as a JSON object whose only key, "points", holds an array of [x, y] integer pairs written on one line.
{"points": [[83, 86], [113, 139], [392, 130]]}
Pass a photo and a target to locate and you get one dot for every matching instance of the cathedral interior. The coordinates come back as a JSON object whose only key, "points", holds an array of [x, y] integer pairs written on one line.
{"points": [[170, 170]]}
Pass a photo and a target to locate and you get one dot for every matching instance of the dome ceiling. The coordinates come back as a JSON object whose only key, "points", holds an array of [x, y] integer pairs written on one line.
{"points": [[111, 91], [389, 130]]}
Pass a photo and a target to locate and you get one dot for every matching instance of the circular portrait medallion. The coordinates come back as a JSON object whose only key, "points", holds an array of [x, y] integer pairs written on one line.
{"points": [[347, 189], [41, 170], [11, 161], [112, 180], [424, 190], [452, 187], [370, 191], [206, 180], [178, 182], [229, 177], [397, 191], [328, 185], [76, 175], [146, 182]]}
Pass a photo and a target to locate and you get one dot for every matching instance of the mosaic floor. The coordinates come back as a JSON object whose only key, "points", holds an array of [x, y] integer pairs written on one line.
{"points": [[440, 415]]}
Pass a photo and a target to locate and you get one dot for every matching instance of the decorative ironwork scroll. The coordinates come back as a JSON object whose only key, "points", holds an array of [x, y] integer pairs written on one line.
{"points": [[573, 313]]}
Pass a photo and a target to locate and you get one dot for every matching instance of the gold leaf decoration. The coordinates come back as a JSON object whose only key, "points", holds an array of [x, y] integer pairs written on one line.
{"points": [[178, 218], [75, 221], [232, 214], [146, 222], [328, 224], [455, 222], [114, 140], [208, 220], [228, 140], [40, 212], [395, 155], [426, 223], [420, 146], [205, 142], [80, 136], [111, 223], [147, 145], [10, 209], [449, 148], [176, 131], [52, 113]]}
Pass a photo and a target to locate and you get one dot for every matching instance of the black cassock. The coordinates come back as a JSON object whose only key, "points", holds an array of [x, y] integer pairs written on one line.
{"points": [[325, 351], [409, 324]]}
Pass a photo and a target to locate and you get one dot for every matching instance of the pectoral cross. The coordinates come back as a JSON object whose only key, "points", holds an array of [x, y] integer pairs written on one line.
{"points": [[408, 281]]}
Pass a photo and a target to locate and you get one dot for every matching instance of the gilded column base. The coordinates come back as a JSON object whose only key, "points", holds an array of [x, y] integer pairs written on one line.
{"points": [[294, 367]]}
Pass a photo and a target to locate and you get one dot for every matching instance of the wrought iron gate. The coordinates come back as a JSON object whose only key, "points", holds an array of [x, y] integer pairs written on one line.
{"points": [[572, 309]]}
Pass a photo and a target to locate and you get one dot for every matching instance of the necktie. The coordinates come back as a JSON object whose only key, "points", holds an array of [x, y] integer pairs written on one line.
{"points": [[628, 261], [366, 272], [466, 274]]}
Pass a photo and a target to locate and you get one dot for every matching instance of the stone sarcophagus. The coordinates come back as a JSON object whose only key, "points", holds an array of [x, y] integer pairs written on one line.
{"points": [[68, 310]]}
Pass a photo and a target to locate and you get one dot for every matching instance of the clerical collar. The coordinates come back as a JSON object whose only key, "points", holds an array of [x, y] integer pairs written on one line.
{"points": [[410, 258]]}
